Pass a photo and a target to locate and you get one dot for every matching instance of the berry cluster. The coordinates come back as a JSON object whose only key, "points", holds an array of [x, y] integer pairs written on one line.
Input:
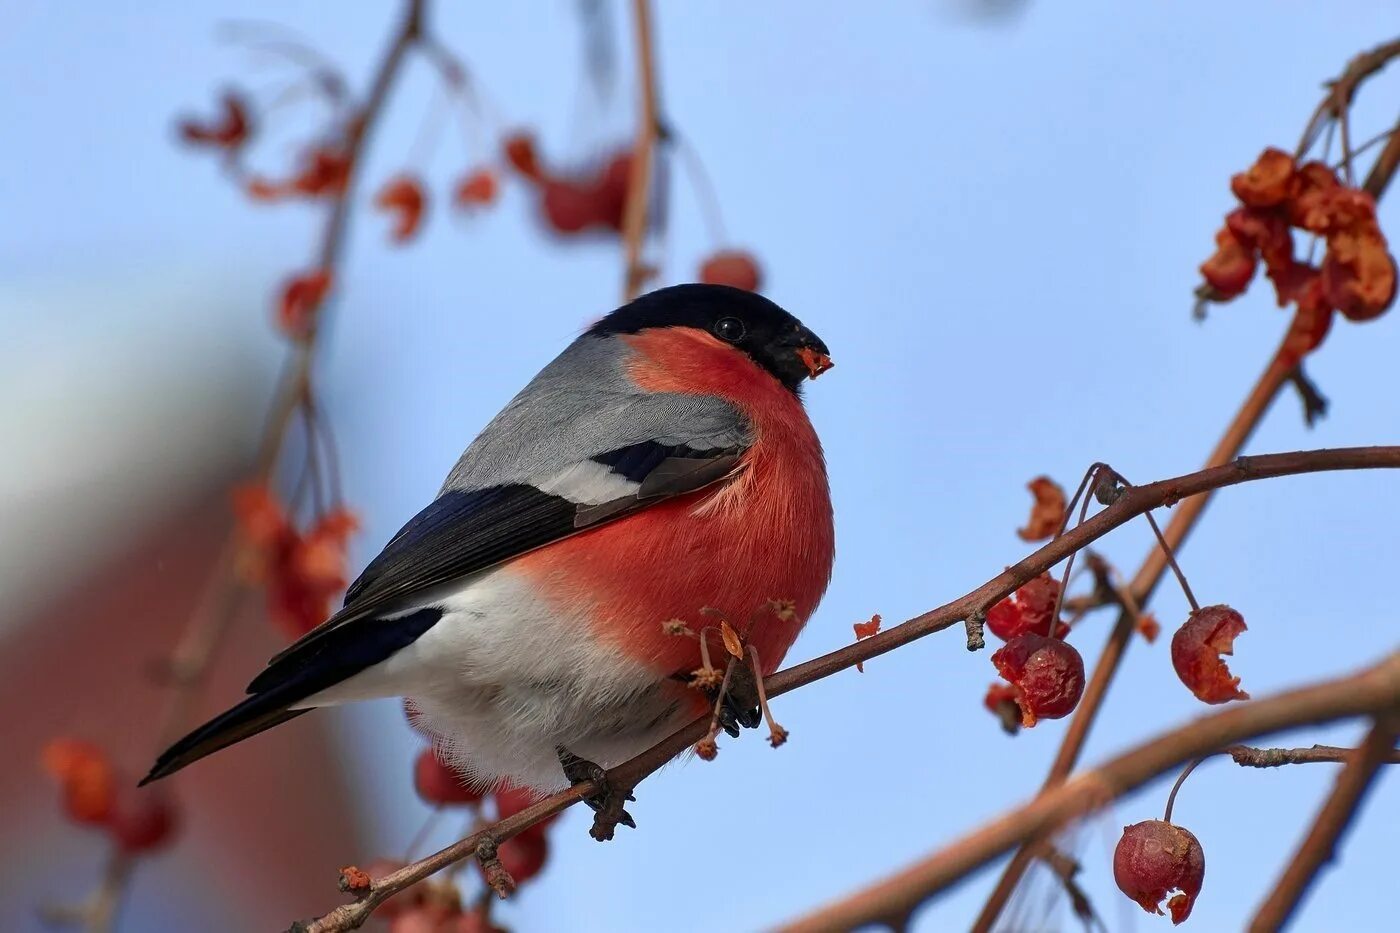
{"points": [[95, 793], [301, 569], [1357, 275]]}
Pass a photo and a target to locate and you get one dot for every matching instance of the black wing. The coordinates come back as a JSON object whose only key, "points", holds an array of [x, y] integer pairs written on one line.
{"points": [[462, 533]]}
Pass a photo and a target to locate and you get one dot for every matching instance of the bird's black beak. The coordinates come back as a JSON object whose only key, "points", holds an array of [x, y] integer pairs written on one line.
{"points": [[800, 354]]}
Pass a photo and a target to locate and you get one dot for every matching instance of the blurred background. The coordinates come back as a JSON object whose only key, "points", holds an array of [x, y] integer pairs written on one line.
{"points": [[992, 214]]}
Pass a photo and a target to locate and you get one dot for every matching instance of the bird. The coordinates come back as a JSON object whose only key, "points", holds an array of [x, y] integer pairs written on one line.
{"points": [[663, 466]]}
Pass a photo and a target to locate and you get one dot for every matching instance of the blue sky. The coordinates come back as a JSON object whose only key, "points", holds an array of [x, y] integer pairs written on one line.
{"points": [[994, 227]]}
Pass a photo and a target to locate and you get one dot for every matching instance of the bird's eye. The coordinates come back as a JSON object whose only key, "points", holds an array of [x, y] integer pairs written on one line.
{"points": [[729, 328]]}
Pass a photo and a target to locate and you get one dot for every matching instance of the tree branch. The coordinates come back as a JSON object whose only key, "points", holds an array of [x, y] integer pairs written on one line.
{"points": [[1134, 501], [1320, 845], [1371, 691], [1283, 369], [639, 183], [1249, 757]]}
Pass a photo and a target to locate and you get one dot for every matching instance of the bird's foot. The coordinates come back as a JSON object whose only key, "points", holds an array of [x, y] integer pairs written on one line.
{"points": [[607, 804], [739, 706]]}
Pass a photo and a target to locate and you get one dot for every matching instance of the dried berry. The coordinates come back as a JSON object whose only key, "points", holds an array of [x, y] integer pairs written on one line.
{"points": [[866, 630], [1153, 859], [142, 820], [1358, 274], [731, 267], [1002, 700], [229, 131], [1269, 181], [300, 300], [568, 207], [325, 172], [405, 200], [1047, 511], [1028, 610], [439, 784], [86, 778], [522, 155], [476, 189], [1048, 675], [1230, 268], [1207, 634]]}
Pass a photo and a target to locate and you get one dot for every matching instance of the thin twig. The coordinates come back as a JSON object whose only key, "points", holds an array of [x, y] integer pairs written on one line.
{"points": [[1181, 779], [634, 218], [1249, 757], [1320, 845]]}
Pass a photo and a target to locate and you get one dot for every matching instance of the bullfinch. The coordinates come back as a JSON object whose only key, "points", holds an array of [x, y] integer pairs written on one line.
{"points": [[660, 465]]}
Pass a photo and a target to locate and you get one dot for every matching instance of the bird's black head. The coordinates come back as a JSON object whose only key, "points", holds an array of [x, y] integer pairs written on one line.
{"points": [[774, 339]]}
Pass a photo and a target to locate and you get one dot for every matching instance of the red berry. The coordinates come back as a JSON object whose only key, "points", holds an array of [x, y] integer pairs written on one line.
{"points": [[523, 157], [1197, 646], [1028, 610], [1231, 266], [1269, 181], [404, 199], [301, 299], [86, 778], [731, 267], [142, 820], [438, 784], [568, 207], [1048, 675], [610, 190], [1155, 858], [476, 189]]}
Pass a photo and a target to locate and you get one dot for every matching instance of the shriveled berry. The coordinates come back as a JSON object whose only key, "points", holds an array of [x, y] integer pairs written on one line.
{"points": [[142, 820], [568, 207], [1048, 675], [439, 784], [301, 298], [1267, 182], [1003, 702], [1027, 610], [1231, 266], [476, 189], [1208, 633], [86, 778], [404, 199], [522, 155], [731, 267], [1155, 858]]}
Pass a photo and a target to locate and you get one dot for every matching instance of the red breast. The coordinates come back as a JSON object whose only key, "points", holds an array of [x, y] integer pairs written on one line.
{"points": [[765, 535]]}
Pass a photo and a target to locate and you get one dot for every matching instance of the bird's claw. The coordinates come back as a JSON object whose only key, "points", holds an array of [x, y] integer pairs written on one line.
{"points": [[607, 803]]}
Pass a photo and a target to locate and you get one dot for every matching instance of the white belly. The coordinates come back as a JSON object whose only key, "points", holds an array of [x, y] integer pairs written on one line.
{"points": [[503, 679]]}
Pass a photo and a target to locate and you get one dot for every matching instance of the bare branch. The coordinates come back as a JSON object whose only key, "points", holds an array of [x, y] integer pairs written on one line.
{"points": [[1320, 845], [1367, 692]]}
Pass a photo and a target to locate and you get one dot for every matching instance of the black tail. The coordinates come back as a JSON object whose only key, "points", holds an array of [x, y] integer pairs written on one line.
{"points": [[338, 654]]}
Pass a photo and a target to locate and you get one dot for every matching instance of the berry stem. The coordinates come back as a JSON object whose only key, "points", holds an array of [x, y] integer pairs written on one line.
{"points": [[777, 735], [1181, 779], [1171, 562]]}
